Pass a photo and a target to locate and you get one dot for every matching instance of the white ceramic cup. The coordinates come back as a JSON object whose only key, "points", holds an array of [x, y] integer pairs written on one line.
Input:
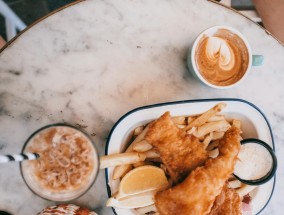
{"points": [[254, 60]]}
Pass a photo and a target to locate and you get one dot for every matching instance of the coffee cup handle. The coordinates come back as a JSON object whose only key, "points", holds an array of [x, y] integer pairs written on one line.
{"points": [[257, 60]]}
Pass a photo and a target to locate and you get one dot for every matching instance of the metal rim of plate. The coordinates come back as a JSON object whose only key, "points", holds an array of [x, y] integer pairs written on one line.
{"points": [[181, 102]]}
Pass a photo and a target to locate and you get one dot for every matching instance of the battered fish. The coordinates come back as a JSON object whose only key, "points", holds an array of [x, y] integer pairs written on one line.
{"points": [[179, 151], [197, 193], [228, 202]]}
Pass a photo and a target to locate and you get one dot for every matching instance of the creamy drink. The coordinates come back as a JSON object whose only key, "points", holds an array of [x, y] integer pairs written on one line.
{"points": [[67, 166], [222, 59]]}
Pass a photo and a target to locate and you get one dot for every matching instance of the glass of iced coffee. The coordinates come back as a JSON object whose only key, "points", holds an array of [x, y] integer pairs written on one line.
{"points": [[68, 163]]}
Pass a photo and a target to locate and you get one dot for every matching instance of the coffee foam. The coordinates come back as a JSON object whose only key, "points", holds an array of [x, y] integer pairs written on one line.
{"points": [[222, 59], [218, 51]]}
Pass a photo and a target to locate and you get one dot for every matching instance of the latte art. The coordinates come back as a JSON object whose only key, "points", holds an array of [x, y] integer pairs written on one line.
{"points": [[222, 59], [218, 51]]}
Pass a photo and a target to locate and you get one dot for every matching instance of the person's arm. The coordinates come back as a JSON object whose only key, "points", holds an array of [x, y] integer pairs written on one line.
{"points": [[272, 15], [2, 42]]}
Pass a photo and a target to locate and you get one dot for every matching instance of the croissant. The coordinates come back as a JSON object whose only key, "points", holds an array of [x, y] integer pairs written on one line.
{"points": [[66, 209]]}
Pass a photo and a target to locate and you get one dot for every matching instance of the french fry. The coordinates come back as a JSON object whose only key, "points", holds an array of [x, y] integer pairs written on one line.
{"points": [[210, 127], [212, 145], [224, 129], [191, 131], [121, 159], [143, 163], [139, 138], [152, 154], [200, 120], [130, 167], [138, 130], [236, 123], [218, 135], [234, 184], [244, 190], [147, 209], [142, 146], [121, 169], [207, 139], [216, 118], [190, 119], [181, 126], [179, 120], [214, 153]]}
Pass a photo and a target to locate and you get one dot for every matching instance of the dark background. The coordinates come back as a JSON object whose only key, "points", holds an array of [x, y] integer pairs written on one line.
{"points": [[31, 10]]}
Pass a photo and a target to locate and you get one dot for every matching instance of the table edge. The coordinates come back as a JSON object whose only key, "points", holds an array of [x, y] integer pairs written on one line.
{"points": [[79, 1], [236, 11], [38, 21]]}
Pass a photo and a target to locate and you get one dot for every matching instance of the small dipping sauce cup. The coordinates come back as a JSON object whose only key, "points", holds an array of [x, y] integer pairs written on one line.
{"points": [[68, 163], [257, 162]]}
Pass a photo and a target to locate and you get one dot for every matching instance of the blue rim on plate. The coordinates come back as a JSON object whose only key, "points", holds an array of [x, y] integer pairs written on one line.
{"points": [[181, 102]]}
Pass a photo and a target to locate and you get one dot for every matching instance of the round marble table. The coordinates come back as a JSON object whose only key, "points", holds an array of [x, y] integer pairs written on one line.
{"points": [[95, 60]]}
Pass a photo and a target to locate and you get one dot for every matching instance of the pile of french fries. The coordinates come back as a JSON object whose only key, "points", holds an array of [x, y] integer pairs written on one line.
{"points": [[209, 127]]}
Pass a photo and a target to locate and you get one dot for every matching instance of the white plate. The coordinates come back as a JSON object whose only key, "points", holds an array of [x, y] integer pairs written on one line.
{"points": [[254, 125]]}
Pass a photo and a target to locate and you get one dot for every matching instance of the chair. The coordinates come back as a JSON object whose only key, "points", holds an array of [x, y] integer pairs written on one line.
{"points": [[12, 21]]}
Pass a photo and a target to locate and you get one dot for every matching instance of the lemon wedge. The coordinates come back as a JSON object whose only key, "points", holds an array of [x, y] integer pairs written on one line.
{"points": [[135, 201], [141, 180]]}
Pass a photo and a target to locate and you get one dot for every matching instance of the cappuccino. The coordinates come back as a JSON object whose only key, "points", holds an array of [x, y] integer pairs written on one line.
{"points": [[222, 59]]}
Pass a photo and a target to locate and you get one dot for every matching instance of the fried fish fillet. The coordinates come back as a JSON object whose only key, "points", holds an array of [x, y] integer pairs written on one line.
{"points": [[228, 202], [197, 193], [179, 151]]}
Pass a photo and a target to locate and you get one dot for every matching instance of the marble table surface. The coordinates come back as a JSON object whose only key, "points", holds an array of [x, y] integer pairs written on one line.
{"points": [[90, 63]]}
